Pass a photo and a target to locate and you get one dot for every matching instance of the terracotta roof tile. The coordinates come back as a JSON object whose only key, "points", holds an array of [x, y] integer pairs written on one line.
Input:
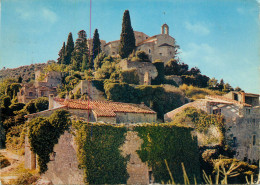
{"points": [[105, 108]]}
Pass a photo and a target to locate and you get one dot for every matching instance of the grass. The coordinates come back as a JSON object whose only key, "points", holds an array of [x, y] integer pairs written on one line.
{"points": [[195, 93]]}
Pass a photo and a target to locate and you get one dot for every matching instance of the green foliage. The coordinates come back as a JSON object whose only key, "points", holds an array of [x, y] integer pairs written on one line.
{"points": [[175, 145], [174, 67], [16, 107], [155, 97], [99, 84], [106, 70], [96, 44], [80, 49], [68, 49], [84, 63], [127, 37], [160, 79], [99, 60], [44, 134], [41, 103], [60, 60], [129, 76], [99, 154], [198, 93]]}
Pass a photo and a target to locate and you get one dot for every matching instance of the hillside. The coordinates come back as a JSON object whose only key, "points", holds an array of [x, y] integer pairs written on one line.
{"points": [[26, 72]]}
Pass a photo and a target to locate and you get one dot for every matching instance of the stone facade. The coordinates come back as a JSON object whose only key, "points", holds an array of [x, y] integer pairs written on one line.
{"points": [[40, 88], [242, 117], [87, 87], [146, 70], [161, 46], [63, 167]]}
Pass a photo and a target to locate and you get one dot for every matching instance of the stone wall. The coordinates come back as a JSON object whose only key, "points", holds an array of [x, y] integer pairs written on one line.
{"points": [[29, 156], [142, 69], [87, 87], [122, 117], [137, 170], [63, 168]]}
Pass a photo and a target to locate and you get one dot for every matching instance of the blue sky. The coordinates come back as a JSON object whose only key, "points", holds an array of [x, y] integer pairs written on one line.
{"points": [[220, 37]]}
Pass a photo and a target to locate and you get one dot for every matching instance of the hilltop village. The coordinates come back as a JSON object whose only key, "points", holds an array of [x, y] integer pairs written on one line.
{"points": [[125, 112]]}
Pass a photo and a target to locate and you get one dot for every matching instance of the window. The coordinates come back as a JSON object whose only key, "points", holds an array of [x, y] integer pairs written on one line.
{"points": [[234, 142], [217, 111], [150, 177], [248, 111], [42, 93], [254, 140], [160, 54], [236, 97], [30, 94], [149, 50]]}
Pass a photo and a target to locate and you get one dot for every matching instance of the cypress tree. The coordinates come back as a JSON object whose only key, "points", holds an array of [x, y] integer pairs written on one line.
{"points": [[127, 37], [96, 44], [69, 49], [80, 49], [61, 54]]}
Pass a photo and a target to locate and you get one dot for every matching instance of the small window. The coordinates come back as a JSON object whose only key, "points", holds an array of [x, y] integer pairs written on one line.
{"points": [[42, 93], [234, 142], [160, 54], [248, 111], [113, 53], [254, 140], [236, 97], [30, 94], [149, 50], [217, 111]]}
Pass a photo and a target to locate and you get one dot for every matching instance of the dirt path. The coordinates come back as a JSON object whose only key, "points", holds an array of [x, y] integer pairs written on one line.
{"points": [[6, 173]]}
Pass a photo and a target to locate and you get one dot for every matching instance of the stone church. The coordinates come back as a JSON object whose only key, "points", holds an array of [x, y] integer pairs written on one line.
{"points": [[161, 46]]}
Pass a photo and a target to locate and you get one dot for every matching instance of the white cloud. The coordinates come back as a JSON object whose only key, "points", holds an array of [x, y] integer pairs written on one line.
{"points": [[49, 15], [197, 28], [28, 14]]}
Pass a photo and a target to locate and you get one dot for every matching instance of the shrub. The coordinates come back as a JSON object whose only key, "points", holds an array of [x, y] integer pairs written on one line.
{"points": [[99, 154], [129, 76], [44, 134], [142, 56], [160, 69], [171, 143]]}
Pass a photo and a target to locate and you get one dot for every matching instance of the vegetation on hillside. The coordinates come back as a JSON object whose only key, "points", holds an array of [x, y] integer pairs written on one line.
{"points": [[127, 37]]}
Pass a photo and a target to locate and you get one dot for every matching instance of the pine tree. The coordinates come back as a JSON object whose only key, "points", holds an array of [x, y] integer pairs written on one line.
{"points": [[127, 37], [96, 44], [61, 54], [80, 49], [69, 49]]}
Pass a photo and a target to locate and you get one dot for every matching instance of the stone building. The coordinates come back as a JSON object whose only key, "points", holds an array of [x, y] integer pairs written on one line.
{"points": [[88, 88], [146, 70], [161, 46], [100, 111], [241, 112], [40, 88]]}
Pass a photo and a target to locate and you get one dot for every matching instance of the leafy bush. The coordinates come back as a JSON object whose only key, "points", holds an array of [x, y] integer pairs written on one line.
{"points": [[129, 76], [99, 154], [142, 56], [44, 134], [160, 69], [175, 145]]}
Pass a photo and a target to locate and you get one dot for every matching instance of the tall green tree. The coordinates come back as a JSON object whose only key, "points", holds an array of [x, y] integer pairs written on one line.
{"points": [[61, 54], [69, 49], [84, 63], [80, 49], [96, 44], [127, 37]]}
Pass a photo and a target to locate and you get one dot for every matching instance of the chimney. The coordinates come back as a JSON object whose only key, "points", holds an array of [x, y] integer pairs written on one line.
{"points": [[51, 101]]}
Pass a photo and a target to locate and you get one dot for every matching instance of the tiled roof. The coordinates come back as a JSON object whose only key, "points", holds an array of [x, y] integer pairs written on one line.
{"points": [[216, 97], [105, 108]]}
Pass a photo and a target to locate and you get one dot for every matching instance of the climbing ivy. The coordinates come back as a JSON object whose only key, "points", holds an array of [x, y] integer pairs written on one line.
{"points": [[44, 134], [99, 154], [173, 144]]}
